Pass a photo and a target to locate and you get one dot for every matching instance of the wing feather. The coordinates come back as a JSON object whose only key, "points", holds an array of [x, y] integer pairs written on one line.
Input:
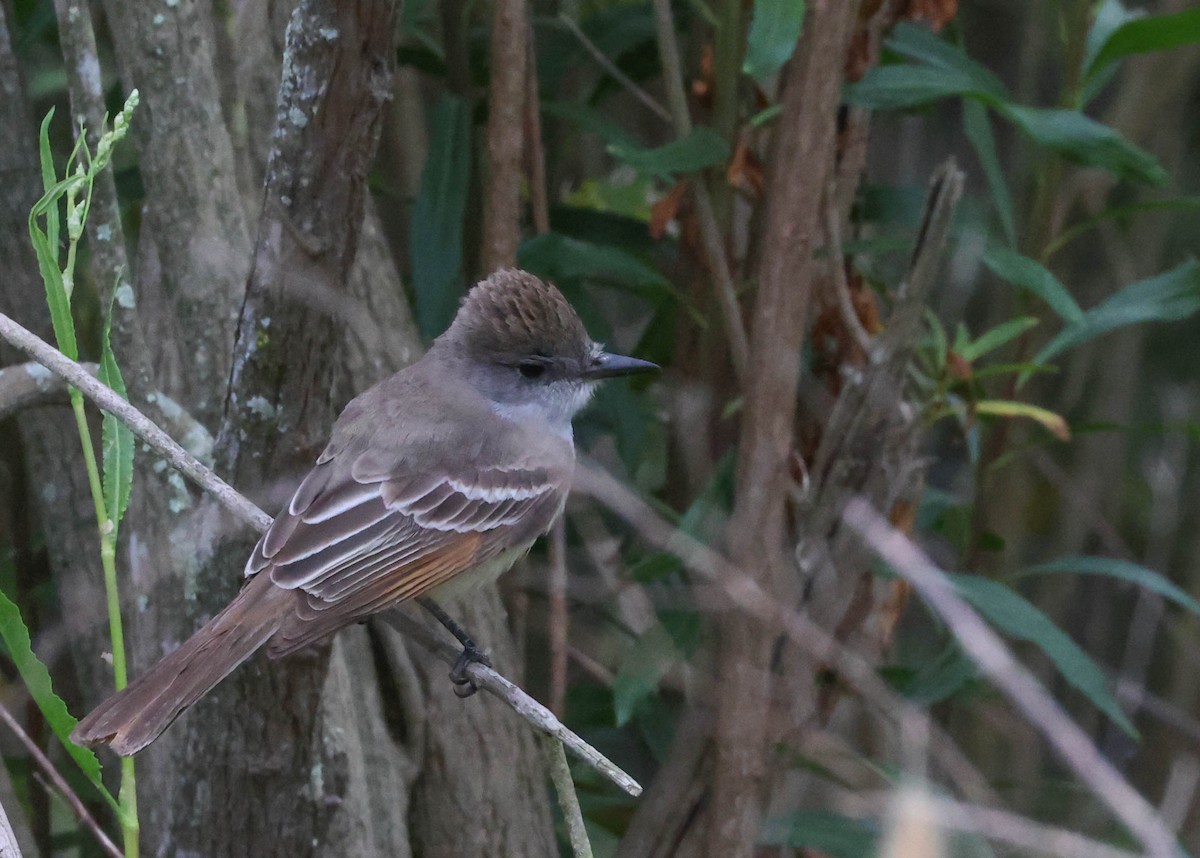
{"points": [[356, 538]]}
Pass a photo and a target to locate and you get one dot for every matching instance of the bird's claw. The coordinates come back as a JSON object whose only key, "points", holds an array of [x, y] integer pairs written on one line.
{"points": [[464, 686]]}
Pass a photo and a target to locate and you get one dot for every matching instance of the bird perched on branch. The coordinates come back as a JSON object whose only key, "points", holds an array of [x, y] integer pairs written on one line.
{"points": [[434, 480]]}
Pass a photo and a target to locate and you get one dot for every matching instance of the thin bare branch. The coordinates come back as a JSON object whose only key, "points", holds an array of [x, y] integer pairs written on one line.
{"points": [[142, 426], [744, 593], [73, 801], [505, 135], [558, 619], [998, 825], [710, 232], [837, 268], [535, 150], [535, 713], [610, 68], [560, 775], [978, 639]]}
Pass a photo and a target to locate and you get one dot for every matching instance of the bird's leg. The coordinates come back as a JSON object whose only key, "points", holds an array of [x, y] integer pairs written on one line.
{"points": [[463, 686]]}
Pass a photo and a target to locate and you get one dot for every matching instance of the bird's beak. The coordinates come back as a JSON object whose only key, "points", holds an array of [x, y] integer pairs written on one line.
{"points": [[607, 365]]}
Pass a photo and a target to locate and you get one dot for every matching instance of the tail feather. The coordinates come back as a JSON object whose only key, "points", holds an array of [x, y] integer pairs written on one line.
{"points": [[133, 718]]}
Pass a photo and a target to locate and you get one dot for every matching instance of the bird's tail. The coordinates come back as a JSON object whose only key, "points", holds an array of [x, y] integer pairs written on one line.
{"points": [[133, 718]]}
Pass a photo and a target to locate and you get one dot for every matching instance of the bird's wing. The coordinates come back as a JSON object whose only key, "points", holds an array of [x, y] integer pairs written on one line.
{"points": [[363, 531]]}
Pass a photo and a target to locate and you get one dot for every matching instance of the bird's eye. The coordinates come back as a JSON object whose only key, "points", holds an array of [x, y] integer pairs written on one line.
{"points": [[531, 369]]}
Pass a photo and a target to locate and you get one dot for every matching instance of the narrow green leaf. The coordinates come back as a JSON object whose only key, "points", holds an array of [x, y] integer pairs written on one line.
{"points": [[1017, 617], [56, 294], [1141, 35], [41, 689], [996, 337], [826, 832], [1170, 296], [1110, 16], [774, 31], [919, 43], [644, 666], [1118, 213], [978, 127], [590, 120], [1085, 141], [1007, 408], [49, 177], [1122, 570], [436, 231], [556, 256], [940, 678], [700, 149], [897, 87], [116, 437], [1026, 273]]}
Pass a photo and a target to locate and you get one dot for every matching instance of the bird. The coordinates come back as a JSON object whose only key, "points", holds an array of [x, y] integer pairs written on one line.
{"points": [[434, 481]]}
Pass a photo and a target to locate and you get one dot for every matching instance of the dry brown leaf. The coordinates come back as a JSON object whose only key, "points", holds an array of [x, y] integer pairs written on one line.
{"points": [[958, 366], [938, 13], [745, 171], [665, 210]]}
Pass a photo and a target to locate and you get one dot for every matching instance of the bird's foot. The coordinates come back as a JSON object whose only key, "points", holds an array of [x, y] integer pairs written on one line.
{"points": [[463, 685]]}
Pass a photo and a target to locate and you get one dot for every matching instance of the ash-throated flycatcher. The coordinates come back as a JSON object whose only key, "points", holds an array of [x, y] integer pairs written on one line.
{"points": [[434, 480]]}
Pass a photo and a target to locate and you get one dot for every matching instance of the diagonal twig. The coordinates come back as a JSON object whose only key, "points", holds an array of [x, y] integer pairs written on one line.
{"points": [[535, 713], [60, 783], [142, 426], [987, 649], [611, 69]]}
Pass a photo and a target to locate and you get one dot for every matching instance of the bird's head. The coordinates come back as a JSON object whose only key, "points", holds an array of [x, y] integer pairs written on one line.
{"points": [[525, 347]]}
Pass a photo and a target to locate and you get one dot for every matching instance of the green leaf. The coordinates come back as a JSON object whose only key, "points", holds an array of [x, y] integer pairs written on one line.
{"points": [[1168, 297], [1017, 617], [590, 120], [1122, 570], [116, 437], [940, 678], [1118, 213], [826, 832], [700, 149], [644, 666], [1026, 273], [919, 43], [45, 244], [774, 31], [558, 257], [996, 337], [41, 689], [563, 259], [1110, 16], [1007, 408], [897, 87], [945, 71], [1141, 35], [436, 231], [49, 177], [978, 127], [1085, 141]]}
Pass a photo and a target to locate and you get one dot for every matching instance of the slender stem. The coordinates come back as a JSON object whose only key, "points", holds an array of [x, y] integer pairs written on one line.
{"points": [[560, 774], [710, 232], [487, 679], [727, 68], [108, 559], [60, 783]]}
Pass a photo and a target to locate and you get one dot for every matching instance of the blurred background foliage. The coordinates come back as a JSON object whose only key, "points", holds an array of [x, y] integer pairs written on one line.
{"points": [[1055, 374]]}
